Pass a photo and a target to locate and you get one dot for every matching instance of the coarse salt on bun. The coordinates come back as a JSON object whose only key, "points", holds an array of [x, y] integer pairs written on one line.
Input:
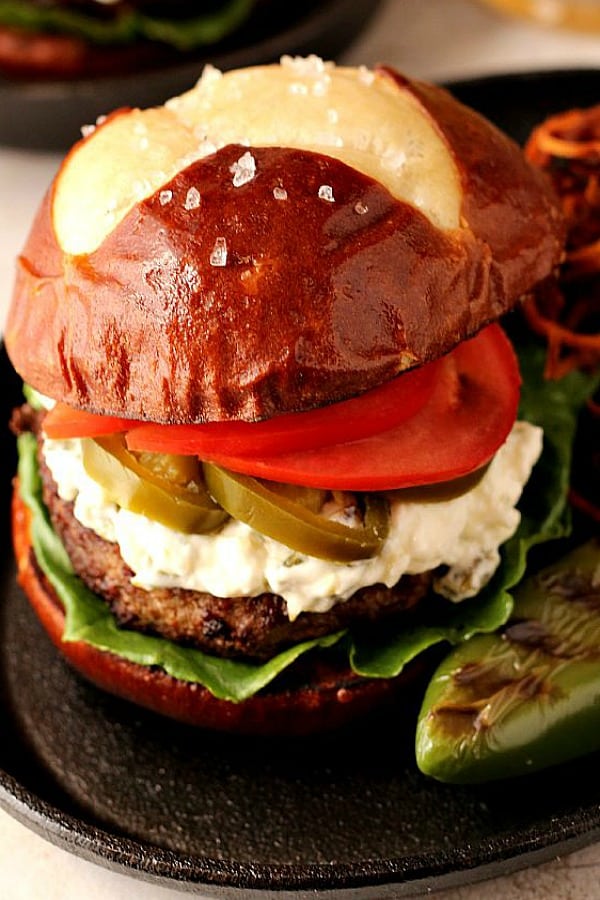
{"points": [[157, 281]]}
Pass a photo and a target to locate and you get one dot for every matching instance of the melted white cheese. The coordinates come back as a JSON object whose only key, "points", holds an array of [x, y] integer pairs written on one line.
{"points": [[462, 533]]}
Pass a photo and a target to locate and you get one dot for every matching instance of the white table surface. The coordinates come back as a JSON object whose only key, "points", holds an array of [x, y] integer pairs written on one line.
{"points": [[436, 39]]}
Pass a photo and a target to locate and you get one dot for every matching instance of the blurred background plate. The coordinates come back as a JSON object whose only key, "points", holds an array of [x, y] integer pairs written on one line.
{"points": [[49, 114]]}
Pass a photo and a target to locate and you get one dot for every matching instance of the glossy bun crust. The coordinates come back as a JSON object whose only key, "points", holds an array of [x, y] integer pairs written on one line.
{"points": [[323, 694], [257, 280]]}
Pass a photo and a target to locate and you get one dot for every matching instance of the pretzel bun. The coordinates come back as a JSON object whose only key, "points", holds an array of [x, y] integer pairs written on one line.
{"points": [[209, 259]]}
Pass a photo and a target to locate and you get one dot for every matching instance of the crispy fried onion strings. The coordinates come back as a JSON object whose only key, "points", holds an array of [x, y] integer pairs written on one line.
{"points": [[566, 312]]}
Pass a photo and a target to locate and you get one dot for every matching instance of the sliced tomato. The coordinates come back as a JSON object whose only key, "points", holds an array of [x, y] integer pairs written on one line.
{"points": [[65, 422], [469, 415], [352, 419], [371, 412], [433, 424]]}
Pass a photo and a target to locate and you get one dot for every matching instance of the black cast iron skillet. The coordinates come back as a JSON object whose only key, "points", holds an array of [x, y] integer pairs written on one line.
{"points": [[347, 814]]}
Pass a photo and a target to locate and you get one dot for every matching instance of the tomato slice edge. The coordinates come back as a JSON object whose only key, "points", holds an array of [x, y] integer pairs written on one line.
{"points": [[408, 454], [446, 439], [393, 402], [64, 421]]}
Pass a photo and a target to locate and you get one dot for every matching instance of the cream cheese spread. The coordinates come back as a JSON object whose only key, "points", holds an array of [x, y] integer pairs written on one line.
{"points": [[463, 533]]}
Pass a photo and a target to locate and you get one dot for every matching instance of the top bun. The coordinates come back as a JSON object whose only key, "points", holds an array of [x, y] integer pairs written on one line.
{"points": [[276, 239]]}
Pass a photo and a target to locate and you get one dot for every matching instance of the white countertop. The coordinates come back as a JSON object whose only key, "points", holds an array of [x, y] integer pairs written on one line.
{"points": [[436, 39]]}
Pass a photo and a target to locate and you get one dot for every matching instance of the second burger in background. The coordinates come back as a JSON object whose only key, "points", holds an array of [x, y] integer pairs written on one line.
{"points": [[82, 38]]}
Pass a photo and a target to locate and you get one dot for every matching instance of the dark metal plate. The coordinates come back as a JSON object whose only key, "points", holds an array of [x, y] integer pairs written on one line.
{"points": [[345, 813]]}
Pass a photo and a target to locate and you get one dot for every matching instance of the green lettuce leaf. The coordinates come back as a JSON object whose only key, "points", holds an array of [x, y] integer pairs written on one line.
{"points": [[87, 618], [206, 28], [552, 405]]}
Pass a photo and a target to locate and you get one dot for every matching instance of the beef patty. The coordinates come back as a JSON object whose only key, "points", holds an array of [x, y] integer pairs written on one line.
{"points": [[243, 627]]}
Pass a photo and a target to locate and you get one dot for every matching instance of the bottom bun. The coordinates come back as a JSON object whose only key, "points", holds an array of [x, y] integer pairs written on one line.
{"points": [[320, 693]]}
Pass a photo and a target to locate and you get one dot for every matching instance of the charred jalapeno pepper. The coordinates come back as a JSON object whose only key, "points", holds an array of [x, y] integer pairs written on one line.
{"points": [[294, 516], [162, 486], [511, 703]]}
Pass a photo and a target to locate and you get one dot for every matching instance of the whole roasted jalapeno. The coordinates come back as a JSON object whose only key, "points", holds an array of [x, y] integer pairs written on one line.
{"points": [[526, 698]]}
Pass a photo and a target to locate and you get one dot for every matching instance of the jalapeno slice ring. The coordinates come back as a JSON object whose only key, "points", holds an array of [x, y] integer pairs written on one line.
{"points": [[287, 516]]}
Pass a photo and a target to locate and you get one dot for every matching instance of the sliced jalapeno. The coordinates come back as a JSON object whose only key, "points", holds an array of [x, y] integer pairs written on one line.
{"points": [[441, 490], [511, 703], [164, 487], [290, 515]]}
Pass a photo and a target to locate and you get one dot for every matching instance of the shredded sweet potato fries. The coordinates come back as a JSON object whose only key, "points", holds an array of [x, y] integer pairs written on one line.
{"points": [[566, 310]]}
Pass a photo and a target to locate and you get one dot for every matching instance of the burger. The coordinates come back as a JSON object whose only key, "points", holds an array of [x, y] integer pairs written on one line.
{"points": [[271, 449], [75, 38]]}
